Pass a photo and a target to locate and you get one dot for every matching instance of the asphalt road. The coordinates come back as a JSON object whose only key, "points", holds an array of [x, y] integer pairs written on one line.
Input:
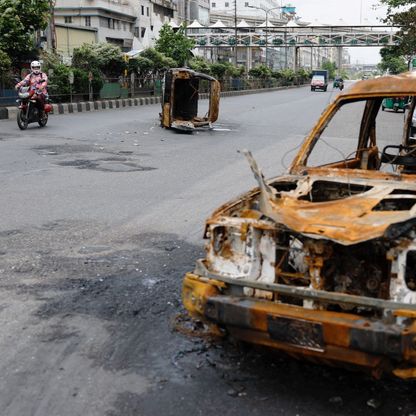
{"points": [[101, 214]]}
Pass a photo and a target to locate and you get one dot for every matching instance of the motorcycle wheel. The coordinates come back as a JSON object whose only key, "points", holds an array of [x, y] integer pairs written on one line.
{"points": [[43, 120], [22, 121]]}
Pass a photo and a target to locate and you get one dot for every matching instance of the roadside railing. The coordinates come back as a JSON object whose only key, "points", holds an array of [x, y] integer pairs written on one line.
{"points": [[108, 89]]}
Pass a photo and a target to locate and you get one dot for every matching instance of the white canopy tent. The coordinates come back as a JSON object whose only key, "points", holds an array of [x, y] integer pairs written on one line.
{"points": [[218, 25]]}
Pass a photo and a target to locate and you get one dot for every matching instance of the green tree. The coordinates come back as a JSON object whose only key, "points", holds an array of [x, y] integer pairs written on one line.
{"points": [[5, 63], [260, 71], [174, 44], [19, 21], [402, 13], [106, 58], [160, 62], [199, 64], [5, 66], [392, 61], [331, 67]]}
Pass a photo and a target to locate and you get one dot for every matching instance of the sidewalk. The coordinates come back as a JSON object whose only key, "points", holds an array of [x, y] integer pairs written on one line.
{"points": [[9, 113]]}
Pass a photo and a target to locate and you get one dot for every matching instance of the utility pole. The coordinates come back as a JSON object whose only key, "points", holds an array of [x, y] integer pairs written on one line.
{"points": [[266, 11], [235, 31]]}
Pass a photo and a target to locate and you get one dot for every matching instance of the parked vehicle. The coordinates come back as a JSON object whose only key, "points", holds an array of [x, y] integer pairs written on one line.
{"points": [[338, 83], [181, 93], [321, 262], [394, 103], [319, 80], [30, 109]]}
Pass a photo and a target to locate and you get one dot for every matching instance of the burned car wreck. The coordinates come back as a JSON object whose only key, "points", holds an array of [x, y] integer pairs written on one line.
{"points": [[181, 100], [321, 262]]}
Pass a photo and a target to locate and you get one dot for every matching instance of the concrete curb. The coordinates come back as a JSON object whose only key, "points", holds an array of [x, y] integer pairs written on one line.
{"points": [[10, 113]]}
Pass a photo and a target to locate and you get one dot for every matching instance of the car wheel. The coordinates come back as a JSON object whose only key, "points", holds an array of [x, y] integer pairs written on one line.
{"points": [[382, 108], [22, 121]]}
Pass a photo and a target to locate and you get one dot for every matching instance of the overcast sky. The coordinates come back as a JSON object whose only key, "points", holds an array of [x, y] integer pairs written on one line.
{"points": [[351, 11]]}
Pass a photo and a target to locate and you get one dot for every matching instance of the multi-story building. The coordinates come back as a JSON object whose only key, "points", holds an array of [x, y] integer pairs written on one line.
{"points": [[112, 21], [151, 15], [190, 10]]}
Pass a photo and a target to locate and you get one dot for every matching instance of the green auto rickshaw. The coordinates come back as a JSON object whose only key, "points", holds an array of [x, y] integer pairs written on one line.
{"points": [[395, 103]]}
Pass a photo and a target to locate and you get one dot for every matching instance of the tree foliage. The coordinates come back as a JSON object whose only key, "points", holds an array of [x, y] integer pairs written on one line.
{"points": [[5, 63], [19, 20], [402, 13], [392, 61], [260, 71], [174, 44], [331, 67], [103, 57]]}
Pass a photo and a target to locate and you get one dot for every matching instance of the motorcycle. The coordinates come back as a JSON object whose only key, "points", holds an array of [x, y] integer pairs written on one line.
{"points": [[30, 110], [338, 84]]}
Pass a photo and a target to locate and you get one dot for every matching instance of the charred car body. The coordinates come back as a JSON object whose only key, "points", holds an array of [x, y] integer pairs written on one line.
{"points": [[181, 93], [321, 262]]}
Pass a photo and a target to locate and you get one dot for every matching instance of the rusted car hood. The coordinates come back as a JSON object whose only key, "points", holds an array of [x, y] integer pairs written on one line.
{"points": [[348, 220]]}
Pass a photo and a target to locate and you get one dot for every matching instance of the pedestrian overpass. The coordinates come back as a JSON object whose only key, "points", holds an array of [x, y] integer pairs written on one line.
{"points": [[295, 36]]}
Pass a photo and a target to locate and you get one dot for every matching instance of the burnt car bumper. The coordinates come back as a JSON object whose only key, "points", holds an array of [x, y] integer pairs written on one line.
{"points": [[379, 345]]}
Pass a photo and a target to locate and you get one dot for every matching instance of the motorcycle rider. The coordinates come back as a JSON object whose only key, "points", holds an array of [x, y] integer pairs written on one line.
{"points": [[37, 81]]}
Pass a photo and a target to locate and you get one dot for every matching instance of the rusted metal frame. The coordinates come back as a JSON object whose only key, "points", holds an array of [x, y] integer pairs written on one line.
{"points": [[408, 121], [316, 295], [387, 339], [308, 145]]}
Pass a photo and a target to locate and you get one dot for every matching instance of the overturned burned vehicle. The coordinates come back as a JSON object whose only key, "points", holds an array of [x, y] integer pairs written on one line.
{"points": [[181, 107], [321, 262]]}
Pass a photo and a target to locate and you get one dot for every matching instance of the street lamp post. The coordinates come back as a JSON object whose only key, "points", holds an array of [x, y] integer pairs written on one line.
{"points": [[266, 11]]}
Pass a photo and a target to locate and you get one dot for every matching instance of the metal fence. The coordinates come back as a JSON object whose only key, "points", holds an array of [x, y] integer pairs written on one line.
{"points": [[130, 88]]}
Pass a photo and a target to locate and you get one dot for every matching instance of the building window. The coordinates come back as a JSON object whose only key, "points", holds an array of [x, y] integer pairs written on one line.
{"points": [[142, 10], [68, 19], [143, 31], [213, 5], [246, 4], [227, 4], [124, 26], [87, 20], [147, 11]]}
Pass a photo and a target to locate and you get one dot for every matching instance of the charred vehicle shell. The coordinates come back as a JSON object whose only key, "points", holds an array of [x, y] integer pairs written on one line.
{"points": [[321, 262], [181, 94]]}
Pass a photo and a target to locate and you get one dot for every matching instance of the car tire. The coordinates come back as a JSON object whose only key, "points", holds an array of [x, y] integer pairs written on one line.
{"points": [[383, 108], [325, 88]]}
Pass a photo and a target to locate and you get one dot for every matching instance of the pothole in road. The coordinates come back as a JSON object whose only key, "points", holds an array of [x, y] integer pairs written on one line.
{"points": [[106, 165]]}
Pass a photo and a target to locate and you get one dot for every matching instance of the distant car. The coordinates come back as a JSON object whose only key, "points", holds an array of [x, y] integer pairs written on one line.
{"points": [[321, 262], [318, 83], [364, 77]]}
